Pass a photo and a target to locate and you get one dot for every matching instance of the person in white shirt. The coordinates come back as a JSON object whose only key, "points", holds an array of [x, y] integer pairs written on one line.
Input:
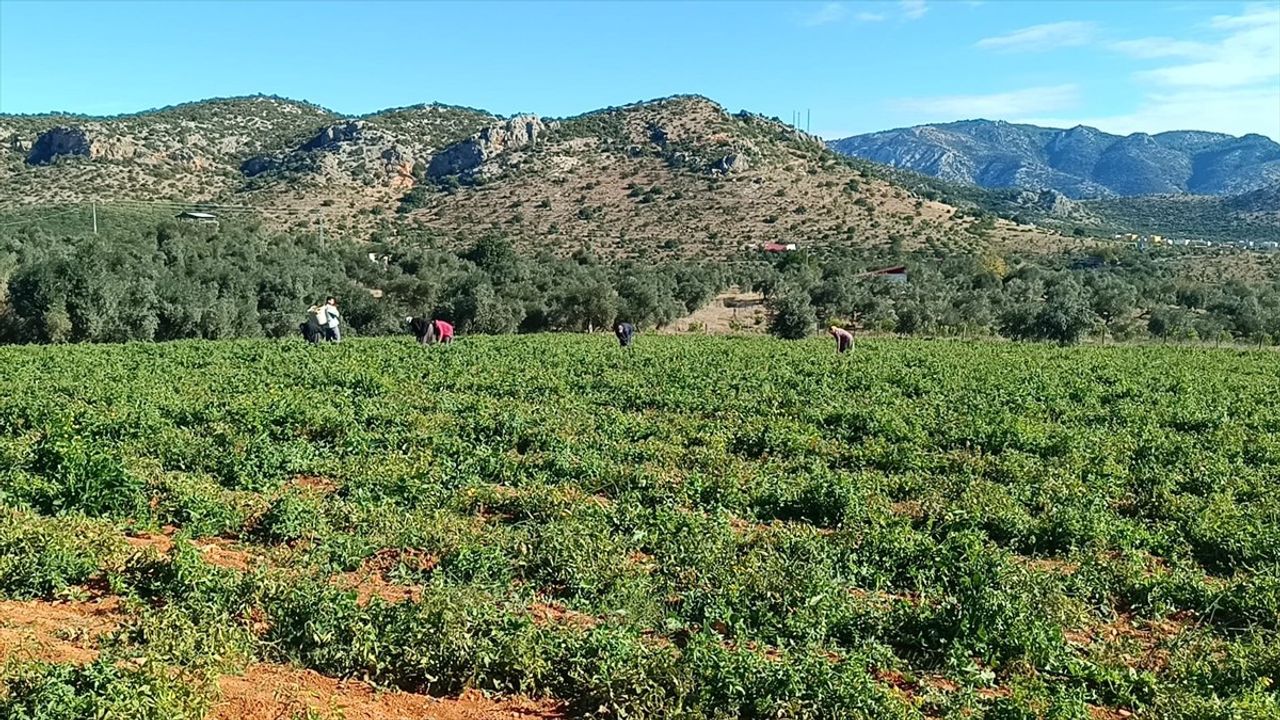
{"points": [[331, 318]]}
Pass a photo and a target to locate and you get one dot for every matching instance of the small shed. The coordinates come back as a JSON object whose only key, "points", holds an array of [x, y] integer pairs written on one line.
{"points": [[778, 247], [895, 274], [195, 216]]}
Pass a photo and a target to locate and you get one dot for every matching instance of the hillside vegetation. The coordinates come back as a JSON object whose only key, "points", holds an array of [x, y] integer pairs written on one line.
{"points": [[677, 176], [1249, 217], [697, 529]]}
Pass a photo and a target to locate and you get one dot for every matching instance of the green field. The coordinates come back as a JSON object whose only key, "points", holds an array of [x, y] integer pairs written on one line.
{"points": [[701, 528]]}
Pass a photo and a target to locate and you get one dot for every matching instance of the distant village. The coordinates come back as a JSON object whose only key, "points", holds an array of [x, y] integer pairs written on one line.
{"points": [[1146, 241]]}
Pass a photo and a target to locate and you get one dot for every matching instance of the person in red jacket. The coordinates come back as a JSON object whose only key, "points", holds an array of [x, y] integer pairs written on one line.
{"points": [[443, 331], [429, 331], [844, 339]]}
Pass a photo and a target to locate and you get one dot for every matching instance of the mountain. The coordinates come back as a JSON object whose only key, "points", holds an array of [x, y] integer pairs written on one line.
{"points": [[678, 175], [1080, 162]]}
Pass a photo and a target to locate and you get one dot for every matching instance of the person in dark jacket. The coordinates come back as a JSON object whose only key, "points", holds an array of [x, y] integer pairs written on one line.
{"points": [[624, 332], [311, 329], [422, 328], [430, 331]]}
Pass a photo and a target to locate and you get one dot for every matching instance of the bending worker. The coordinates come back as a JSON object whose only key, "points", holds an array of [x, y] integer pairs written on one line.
{"points": [[844, 339], [625, 331]]}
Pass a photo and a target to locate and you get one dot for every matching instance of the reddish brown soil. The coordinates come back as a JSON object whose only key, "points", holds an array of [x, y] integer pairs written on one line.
{"points": [[882, 596], [369, 585], [913, 509], [371, 581], [216, 551], [910, 688], [992, 693], [1053, 566], [55, 631], [226, 554], [386, 560], [642, 561], [1102, 713], [940, 683], [1141, 644], [315, 483], [552, 614], [162, 542], [272, 692]]}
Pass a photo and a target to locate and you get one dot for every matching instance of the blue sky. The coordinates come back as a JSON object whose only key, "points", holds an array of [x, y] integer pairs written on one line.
{"points": [[857, 65]]}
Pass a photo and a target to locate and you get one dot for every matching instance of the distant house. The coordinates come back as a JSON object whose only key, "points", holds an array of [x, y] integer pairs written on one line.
{"points": [[778, 247], [895, 274], [194, 216]]}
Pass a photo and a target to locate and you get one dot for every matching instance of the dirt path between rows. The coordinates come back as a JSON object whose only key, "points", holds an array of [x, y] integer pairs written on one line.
{"points": [[68, 632], [271, 692], [55, 631]]}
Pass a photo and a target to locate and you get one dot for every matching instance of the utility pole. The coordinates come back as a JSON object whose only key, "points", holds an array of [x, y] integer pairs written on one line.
{"points": [[808, 115], [94, 205]]}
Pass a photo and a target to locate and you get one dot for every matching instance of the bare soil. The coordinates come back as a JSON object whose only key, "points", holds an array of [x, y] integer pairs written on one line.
{"points": [[273, 692], [733, 311], [55, 631], [216, 551], [546, 613]]}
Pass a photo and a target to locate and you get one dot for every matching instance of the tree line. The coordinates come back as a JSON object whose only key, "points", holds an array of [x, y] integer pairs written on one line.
{"points": [[1105, 293], [174, 280], [152, 280]]}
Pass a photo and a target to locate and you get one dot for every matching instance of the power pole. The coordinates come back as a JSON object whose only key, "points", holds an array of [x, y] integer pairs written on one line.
{"points": [[94, 205], [808, 115]]}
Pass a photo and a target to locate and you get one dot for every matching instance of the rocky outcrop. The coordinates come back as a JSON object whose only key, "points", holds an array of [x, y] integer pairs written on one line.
{"points": [[398, 166], [59, 141], [78, 141], [1054, 203], [188, 159], [258, 165], [658, 135], [730, 163], [466, 157], [17, 143], [334, 135]]}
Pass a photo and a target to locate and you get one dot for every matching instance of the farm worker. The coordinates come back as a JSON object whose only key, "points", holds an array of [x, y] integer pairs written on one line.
{"points": [[443, 331], [331, 318], [624, 331], [312, 329], [423, 329], [844, 339]]}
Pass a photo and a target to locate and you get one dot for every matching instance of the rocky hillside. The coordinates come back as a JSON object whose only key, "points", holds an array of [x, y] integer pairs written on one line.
{"points": [[187, 152], [674, 175], [1081, 162], [678, 175]]}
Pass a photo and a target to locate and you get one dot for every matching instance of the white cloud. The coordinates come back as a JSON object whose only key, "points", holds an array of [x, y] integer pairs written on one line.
{"points": [[913, 9], [1042, 37], [1255, 14], [832, 12], [1235, 111], [1227, 80], [1249, 54], [996, 106], [1153, 48]]}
